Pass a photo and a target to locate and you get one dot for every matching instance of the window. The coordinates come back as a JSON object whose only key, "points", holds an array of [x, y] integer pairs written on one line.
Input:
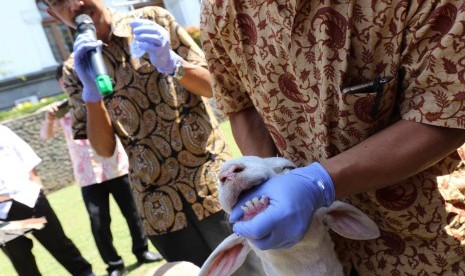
{"points": [[60, 36]]}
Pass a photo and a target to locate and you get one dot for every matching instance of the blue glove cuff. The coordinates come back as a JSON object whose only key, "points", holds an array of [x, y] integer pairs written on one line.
{"points": [[171, 63], [323, 181], [91, 95]]}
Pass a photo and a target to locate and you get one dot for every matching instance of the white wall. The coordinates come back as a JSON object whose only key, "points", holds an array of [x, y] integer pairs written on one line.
{"points": [[24, 47], [186, 12]]}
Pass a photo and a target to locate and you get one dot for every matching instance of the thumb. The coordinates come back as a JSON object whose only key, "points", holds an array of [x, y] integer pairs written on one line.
{"points": [[258, 227], [236, 213]]}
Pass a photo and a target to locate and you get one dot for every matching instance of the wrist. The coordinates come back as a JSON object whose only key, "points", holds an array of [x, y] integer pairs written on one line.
{"points": [[318, 178], [172, 63], [325, 183], [91, 95]]}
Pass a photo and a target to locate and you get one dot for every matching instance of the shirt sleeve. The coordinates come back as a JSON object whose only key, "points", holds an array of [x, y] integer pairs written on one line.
{"points": [[77, 107], [434, 63], [229, 91], [26, 154]]}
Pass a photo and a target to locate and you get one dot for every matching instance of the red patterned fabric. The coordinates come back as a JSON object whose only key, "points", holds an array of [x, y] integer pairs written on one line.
{"points": [[292, 59]]}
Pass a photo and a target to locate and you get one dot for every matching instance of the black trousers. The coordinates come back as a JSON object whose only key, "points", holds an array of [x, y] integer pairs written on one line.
{"points": [[196, 242], [97, 200], [52, 237]]}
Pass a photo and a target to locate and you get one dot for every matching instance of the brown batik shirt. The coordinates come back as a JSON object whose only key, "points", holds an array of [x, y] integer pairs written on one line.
{"points": [[171, 137], [292, 60]]}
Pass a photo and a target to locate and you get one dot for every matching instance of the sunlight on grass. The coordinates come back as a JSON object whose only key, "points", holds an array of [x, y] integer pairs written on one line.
{"points": [[70, 209]]}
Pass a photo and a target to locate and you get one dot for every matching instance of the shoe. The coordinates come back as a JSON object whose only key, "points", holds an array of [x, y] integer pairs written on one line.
{"points": [[149, 257], [117, 272]]}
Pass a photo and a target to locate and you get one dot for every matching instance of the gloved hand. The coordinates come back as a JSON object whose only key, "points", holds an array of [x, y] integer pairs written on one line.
{"points": [[83, 44], [155, 40], [293, 199]]}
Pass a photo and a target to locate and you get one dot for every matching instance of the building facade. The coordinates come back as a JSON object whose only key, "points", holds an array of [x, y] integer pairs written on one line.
{"points": [[34, 44]]}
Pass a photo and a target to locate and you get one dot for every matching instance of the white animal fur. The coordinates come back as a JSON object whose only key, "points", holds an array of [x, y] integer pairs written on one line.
{"points": [[313, 255], [175, 269]]}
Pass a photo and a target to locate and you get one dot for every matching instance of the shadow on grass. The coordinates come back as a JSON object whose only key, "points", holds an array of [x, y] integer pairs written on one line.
{"points": [[133, 266]]}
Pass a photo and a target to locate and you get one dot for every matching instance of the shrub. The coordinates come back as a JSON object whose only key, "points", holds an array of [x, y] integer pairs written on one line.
{"points": [[29, 107]]}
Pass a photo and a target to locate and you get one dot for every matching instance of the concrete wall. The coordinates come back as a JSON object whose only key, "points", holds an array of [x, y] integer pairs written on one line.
{"points": [[55, 169], [41, 84]]}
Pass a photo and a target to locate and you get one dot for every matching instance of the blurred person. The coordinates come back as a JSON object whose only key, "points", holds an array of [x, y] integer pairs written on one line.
{"points": [[169, 132], [99, 177], [23, 198]]}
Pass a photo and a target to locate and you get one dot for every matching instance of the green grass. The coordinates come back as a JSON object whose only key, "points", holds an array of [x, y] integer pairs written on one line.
{"points": [[70, 209]]}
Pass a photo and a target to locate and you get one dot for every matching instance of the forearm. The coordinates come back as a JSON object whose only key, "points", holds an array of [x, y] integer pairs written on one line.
{"points": [[250, 134], [47, 130], [391, 156], [100, 131], [196, 80]]}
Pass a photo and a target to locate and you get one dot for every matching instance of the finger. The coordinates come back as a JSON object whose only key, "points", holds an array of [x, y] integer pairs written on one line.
{"points": [[83, 39], [272, 242], [153, 50], [236, 213], [154, 39], [140, 22], [260, 226], [145, 29], [82, 47]]}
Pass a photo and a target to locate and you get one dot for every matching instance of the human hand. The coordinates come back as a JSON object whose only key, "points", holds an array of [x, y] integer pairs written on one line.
{"points": [[83, 44], [294, 197], [155, 40], [50, 113]]}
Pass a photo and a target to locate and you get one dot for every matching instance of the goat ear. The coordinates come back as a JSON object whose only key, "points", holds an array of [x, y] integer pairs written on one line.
{"points": [[350, 222], [227, 257]]}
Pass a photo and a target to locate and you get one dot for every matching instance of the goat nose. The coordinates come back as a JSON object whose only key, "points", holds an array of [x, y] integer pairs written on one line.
{"points": [[230, 171]]}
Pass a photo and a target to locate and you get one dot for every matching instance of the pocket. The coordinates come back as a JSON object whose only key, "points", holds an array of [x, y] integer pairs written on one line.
{"points": [[361, 113]]}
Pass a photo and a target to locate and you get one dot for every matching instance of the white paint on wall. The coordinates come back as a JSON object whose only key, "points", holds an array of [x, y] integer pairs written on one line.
{"points": [[24, 48], [186, 12]]}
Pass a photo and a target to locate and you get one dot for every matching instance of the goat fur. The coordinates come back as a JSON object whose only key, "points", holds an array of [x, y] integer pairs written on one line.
{"points": [[313, 255]]}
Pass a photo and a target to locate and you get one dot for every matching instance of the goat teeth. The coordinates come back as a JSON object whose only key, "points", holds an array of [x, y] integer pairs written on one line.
{"points": [[244, 208], [255, 200], [249, 204], [263, 198]]}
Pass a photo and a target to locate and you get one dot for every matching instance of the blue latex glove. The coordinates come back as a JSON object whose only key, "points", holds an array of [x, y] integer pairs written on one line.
{"points": [[293, 199], [83, 44], [155, 40]]}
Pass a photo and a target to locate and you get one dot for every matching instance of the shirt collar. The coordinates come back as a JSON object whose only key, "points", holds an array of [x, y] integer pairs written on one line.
{"points": [[120, 23]]}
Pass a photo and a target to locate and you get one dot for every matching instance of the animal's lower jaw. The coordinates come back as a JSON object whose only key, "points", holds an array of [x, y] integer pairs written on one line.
{"points": [[254, 207]]}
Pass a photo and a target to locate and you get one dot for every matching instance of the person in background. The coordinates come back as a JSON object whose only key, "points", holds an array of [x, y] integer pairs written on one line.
{"points": [[20, 187], [99, 177], [172, 138], [369, 100]]}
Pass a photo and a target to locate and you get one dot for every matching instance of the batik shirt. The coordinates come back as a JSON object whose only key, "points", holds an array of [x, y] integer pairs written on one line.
{"points": [[171, 137], [292, 60]]}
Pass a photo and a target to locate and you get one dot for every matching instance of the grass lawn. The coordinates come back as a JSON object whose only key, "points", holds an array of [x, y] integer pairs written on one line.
{"points": [[69, 206]]}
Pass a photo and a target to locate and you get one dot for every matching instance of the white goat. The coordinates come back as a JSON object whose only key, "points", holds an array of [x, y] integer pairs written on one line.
{"points": [[313, 255]]}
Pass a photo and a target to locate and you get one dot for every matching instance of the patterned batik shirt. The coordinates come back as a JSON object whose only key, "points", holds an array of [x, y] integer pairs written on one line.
{"points": [[293, 59], [171, 137]]}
